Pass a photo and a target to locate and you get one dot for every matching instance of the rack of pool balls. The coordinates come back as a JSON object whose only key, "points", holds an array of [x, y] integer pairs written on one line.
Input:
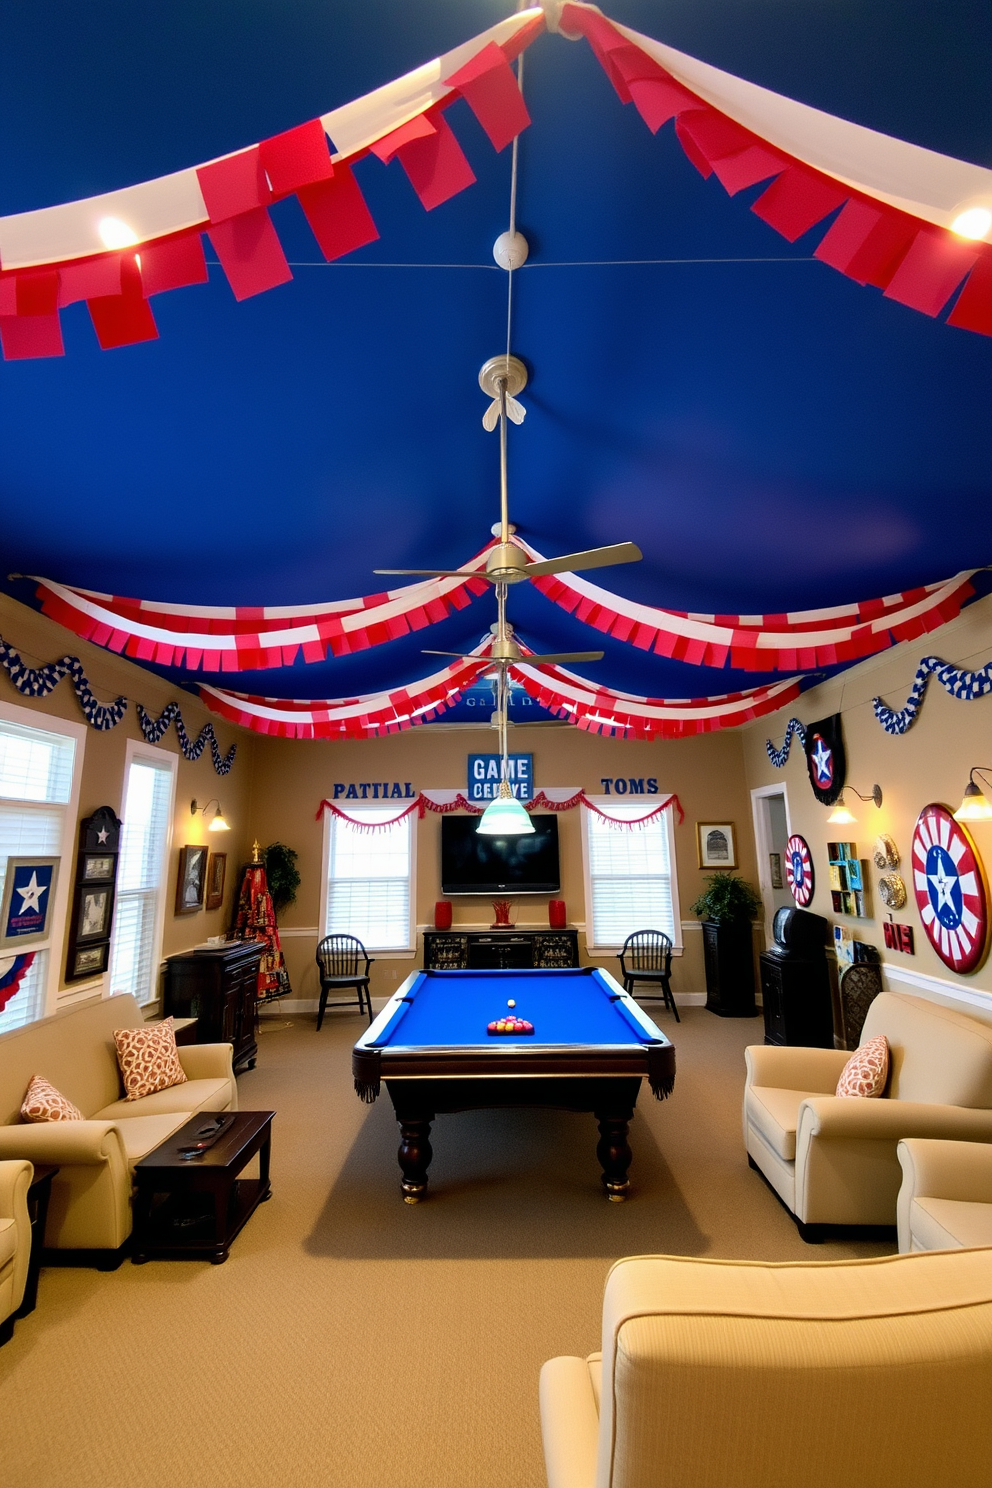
{"points": [[510, 1024]]}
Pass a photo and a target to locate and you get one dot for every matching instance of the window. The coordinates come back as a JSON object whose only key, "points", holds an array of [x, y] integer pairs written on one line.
{"points": [[369, 878], [630, 876], [39, 772], [141, 876]]}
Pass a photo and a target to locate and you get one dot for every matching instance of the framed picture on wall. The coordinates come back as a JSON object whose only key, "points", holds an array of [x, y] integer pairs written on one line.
{"points": [[775, 870], [88, 950], [716, 845], [216, 872], [90, 960], [191, 881], [28, 892]]}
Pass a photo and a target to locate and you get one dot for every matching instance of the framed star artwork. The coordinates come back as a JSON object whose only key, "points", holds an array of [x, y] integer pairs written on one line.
{"points": [[951, 890], [28, 893], [88, 953]]}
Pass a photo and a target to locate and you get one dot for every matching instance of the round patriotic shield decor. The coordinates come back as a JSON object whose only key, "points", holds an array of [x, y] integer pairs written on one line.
{"points": [[950, 888], [799, 870]]}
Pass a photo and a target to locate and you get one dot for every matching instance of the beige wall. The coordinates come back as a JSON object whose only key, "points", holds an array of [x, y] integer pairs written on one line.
{"points": [[39, 640], [928, 763], [291, 777]]}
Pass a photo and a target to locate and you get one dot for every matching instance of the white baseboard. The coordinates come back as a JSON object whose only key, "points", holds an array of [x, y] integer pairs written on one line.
{"points": [[938, 989]]}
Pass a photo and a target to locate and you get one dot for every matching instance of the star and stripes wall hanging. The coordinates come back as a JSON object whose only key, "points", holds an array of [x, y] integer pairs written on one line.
{"points": [[951, 889]]}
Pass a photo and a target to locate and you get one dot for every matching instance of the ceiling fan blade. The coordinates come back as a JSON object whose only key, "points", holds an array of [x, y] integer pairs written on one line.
{"points": [[438, 573], [462, 655], [561, 657], [592, 558]]}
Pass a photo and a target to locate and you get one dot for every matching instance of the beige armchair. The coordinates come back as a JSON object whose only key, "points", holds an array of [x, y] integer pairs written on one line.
{"points": [[945, 1201], [832, 1159], [756, 1376], [15, 1240], [89, 1216]]}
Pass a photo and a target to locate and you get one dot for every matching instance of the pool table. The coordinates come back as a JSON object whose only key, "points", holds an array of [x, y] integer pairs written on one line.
{"points": [[589, 1051]]}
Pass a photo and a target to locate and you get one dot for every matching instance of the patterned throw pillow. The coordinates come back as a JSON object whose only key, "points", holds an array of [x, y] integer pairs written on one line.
{"points": [[148, 1059], [44, 1103], [867, 1070]]}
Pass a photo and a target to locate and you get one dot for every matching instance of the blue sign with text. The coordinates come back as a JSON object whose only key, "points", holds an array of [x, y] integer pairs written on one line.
{"points": [[484, 774]]}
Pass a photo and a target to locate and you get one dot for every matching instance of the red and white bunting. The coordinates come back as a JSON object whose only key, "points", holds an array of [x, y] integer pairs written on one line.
{"points": [[597, 709], [366, 717], [57, 255], [553, 798], [600, 710], [231, 639], [899, 200]]}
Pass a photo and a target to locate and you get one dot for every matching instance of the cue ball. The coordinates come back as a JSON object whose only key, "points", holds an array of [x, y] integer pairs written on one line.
{"points": [[511, 1002]]}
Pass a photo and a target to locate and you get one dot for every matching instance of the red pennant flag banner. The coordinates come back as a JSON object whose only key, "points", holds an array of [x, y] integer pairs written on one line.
{"points": [[124, 319], [490, 89], [896, 201], [914, 259]]}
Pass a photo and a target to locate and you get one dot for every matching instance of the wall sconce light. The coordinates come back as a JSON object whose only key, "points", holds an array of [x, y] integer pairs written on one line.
{"points": [[974, 806], [218, 824], [842, 816]]}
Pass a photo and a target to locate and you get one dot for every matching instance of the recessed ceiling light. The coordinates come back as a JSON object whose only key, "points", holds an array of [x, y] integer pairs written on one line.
{"points": [[116, 234], [973, 223]]}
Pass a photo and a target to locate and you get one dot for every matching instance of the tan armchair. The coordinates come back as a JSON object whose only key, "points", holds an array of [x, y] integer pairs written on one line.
{"points": [[15, 1240], [755, 1376], [89, 1215], [832, 1159], [945, 1201]]}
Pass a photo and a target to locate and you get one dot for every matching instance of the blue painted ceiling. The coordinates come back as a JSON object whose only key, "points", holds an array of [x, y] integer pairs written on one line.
{"points": [[773, 436]]}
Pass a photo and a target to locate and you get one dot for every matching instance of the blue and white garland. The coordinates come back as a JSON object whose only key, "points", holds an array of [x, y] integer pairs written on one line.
{"points": [[963, 685], [154, 728], [778, 757], [38, 682]]}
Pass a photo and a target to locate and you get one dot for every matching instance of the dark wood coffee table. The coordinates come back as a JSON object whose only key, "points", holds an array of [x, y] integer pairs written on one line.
{"points": [[192, 1208]]}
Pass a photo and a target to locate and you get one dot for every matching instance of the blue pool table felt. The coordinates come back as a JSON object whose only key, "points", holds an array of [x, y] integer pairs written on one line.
{"points": [[451, 1009]]}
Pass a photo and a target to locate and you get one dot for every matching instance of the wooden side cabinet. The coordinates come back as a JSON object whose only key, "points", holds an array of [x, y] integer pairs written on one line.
{"points": [[500, 950], [729, 959], [218, 986], [795, 994]]}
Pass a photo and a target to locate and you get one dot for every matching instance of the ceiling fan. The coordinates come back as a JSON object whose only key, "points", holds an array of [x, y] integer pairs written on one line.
{"points": [[502, 378]]}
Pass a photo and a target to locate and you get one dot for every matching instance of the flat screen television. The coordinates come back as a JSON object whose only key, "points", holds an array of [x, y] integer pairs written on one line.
{"points": [[472, 863]]}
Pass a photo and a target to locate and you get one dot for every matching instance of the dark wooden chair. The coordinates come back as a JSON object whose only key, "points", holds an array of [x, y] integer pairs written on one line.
{"points": [[338, 957], [647, 957]]}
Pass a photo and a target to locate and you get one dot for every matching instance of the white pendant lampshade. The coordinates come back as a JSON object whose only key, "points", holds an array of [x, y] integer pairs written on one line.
{"points": [[504, 816]]}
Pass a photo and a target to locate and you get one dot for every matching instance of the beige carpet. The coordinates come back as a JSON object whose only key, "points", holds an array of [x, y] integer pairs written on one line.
{"points": [[354, 1340]]}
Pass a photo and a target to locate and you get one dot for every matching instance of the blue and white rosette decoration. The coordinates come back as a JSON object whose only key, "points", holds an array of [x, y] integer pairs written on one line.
{"points": [[778, 757], [38, 682], [963, 685]]}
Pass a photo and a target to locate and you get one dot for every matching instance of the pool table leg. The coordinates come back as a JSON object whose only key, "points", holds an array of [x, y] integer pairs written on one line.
{"points": [[415, 1156], [613, 1151]]}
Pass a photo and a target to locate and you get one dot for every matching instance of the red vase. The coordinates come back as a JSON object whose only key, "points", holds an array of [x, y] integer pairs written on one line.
{"points": [[556, 914], [442, 914]]}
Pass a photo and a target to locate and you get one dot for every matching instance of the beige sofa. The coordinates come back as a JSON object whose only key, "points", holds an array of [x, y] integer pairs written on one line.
{"points": [[731, 1373], [945, 1201], [89, 1217], [15, 1240], [832, 1159]]}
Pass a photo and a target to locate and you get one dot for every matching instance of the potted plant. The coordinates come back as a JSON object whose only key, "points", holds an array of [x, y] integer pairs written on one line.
{"points": [[727, 906]]}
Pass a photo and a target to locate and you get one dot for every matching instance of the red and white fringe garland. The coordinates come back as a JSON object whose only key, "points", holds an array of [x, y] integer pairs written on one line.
{"points": [[236, 639], [444, 801], [898, 200]]}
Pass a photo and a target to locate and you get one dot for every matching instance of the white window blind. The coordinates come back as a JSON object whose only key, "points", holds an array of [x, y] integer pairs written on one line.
{"points": [[141, 880], [35, 783], [369, 881], [630, 876], [34, 764]]}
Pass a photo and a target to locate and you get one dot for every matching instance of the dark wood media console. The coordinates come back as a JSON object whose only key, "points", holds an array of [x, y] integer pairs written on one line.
{"points": [[500, 950]]}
